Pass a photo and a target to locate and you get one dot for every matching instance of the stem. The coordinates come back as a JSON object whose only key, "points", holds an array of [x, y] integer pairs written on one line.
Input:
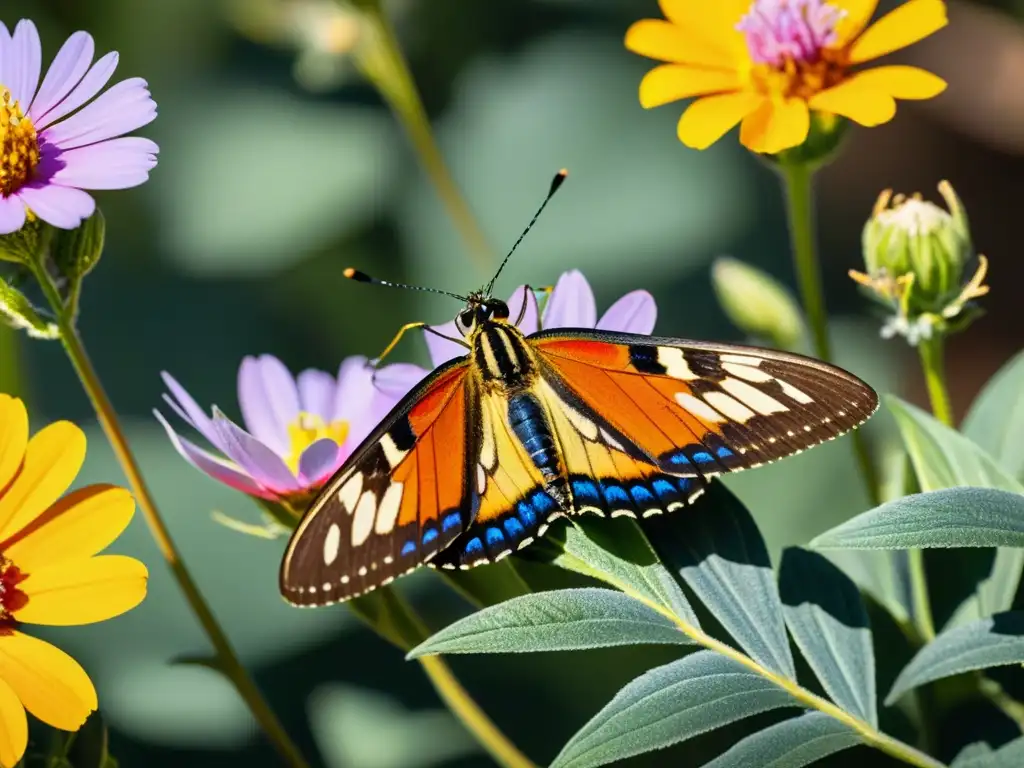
{"points": [[921, 601], [932, 356], [382, 63], [228, 662], [796, 184]]}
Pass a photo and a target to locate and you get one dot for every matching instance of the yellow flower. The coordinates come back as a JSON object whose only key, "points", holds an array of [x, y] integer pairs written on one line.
{"points": [[50, 572], [771, 62]]}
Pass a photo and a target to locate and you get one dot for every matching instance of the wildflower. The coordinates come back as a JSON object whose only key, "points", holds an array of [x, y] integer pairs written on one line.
{"points": [[772, 63], [570, 305], [916, 255], [51, 572], [49, 155], [299, 430]]}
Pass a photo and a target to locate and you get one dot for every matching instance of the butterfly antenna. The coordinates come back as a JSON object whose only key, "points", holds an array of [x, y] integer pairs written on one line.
{"points": [[555, 184], [362, 277]]}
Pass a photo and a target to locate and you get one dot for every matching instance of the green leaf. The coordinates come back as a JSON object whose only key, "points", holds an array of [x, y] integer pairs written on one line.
{"points": [[616, 552], [830, 626], [565, 620], [991, 642], [716, 548], [670, 704], [955, 517], [90, 744], [996, 419], [792, 743], [1009, 755], [17, 312]]}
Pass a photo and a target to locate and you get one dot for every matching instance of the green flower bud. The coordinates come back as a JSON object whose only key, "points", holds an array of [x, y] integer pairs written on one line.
{"points": [[757, 304], [27, 244]]}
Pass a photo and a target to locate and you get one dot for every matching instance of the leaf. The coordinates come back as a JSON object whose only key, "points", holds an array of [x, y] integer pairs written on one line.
{"points": [[565, 620], [943, 458], [976, 755], [996, 419], [954, 517], [717, 549], [17, 312], [90, 747], [792, 743], [616, 552], [670, 704], [830, 626], [991, 642]]}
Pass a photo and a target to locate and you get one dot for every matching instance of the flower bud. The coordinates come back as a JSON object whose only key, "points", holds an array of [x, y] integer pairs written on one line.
{"points": [[17, 312], [917, 254], [757, 304]]}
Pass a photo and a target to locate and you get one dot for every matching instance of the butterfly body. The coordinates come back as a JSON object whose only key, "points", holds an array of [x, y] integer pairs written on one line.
{"points": [[480, 457]]}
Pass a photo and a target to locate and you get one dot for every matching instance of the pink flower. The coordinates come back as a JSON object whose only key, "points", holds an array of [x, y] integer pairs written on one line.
{"points": [[55, 144], [571, 305], [299, 430]]}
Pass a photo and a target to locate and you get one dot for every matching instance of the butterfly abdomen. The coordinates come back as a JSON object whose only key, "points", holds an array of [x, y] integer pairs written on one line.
{"points": [[533, 431]]}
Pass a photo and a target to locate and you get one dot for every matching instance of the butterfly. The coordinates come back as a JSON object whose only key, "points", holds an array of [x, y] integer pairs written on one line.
{"points": [[479, 458]]}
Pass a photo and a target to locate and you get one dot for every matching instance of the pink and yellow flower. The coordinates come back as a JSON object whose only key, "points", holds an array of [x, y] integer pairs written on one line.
{"points": [[51, 572], [769, 64]]}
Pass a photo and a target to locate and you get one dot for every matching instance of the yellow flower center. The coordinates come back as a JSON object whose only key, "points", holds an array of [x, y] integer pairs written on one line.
{"points": [[12, 599], [19, 145], [798, 79], [306, 430]]}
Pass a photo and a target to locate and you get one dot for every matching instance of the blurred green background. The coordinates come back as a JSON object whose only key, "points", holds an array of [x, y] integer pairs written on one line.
{"points": [[268, 188]]}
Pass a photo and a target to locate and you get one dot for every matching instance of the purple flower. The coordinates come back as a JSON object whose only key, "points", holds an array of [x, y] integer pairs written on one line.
{"points": [[571, 305], [50, 155], [299, 430]]}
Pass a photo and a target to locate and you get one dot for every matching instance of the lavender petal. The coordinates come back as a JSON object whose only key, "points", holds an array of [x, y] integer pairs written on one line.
{"points": [[12, 214], [316, 393], [70, 63], [84, 89], [123, 108], [443, 350], [196, 416], [531, 318], [114, 164], [571, 304], [63, 207], [269, 401], [319, 461], [636, 312], [22, 62], [397, 380], [259, 461], [355, 394]]}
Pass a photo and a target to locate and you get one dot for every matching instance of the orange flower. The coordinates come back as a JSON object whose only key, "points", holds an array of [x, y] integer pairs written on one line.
{"points": [[50, 572], [771, 62]]}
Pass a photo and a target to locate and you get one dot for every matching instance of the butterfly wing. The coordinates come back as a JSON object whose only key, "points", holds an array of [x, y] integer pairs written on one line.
{"points": [[699, 409], [401, 497]]}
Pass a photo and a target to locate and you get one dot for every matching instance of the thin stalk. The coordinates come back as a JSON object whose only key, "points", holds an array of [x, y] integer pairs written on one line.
{"points": [[227, 659], [796, 184], [381, 61], [932, 357]]}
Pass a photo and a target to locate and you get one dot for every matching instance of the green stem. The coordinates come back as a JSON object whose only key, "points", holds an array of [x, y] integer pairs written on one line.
{"points": [[227, 659], [931, 352], [797, 185], [381, 60]]}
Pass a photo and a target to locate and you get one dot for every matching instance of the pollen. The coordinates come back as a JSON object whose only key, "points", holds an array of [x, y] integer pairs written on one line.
{"points": [[19, 145], [306, 430]]}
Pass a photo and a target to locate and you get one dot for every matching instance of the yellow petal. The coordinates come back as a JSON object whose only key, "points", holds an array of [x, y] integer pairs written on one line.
{"points": [[13, 727], [900, 82], [776, 126], [708, 119], [713, 22], [78, 526], [51, 684], [858, 14], [904, 26], [83, 591], [671, 82], [868, 97], [13, 437], [661, 40], [52, 459]]}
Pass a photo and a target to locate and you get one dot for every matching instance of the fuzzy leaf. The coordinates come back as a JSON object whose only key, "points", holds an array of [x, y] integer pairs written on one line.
{"points": [[991, 642], [1010, 755], [717, 549], [830, 626], [564, 620], [670, 704], [996, 419], [792, 743]]}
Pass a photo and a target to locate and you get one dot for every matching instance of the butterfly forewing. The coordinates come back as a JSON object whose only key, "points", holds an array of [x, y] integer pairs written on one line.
{"points": [[401, 498]]}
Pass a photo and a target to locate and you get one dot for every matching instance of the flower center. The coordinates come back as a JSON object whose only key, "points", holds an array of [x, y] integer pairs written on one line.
{"points": [[915, 216], [778, 31], [12, 599], [309, 428], [19, 145]]}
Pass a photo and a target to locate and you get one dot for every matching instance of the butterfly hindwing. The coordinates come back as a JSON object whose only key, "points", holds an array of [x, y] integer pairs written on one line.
{"points": [[697, 409], [402, 497]]}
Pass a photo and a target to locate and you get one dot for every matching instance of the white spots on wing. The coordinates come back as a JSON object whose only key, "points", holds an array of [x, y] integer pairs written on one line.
{"points": [[362, 570], [729, 406], [755, 398], [652, 512], [797, 394], [610, 440], [488, 451], [622, 513], [747, 373], [345, 579], [387, 510], [807, 428], [332, 544], [327, 586], [392, 452], [481, 479], [699, 408], [582, 424], [388, 559], [503, 554], [675, 364], [363, 523], [748, 360], [349, 493], [526, 542]]}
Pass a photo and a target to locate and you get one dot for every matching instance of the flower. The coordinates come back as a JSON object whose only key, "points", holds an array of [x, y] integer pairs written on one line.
{"points": [[51, 572], [299, 430], [49, 158], [571, 305], [916, 255], [771, 63]]}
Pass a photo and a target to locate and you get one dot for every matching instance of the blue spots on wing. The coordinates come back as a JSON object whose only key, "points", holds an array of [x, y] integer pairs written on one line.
{"points": [[408, 548], [642, 496], [724, 452], [585, 491], [514, 528], [450, 521], [679, 458], [664, 489], [526, 514], [429, 534], [614, 495], [703, 457], [494, 537], [543, 503], [474, 548]]}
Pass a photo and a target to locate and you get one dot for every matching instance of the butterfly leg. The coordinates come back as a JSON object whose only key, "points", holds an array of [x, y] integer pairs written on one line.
{"points": [[410, 327]]}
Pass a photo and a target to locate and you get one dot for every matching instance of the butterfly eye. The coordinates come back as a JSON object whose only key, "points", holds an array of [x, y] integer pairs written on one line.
{"points": [[466, 321], [498, 309]]}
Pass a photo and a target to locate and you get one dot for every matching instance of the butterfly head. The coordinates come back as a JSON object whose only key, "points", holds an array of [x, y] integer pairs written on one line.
{"points": [[480, 309]]}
